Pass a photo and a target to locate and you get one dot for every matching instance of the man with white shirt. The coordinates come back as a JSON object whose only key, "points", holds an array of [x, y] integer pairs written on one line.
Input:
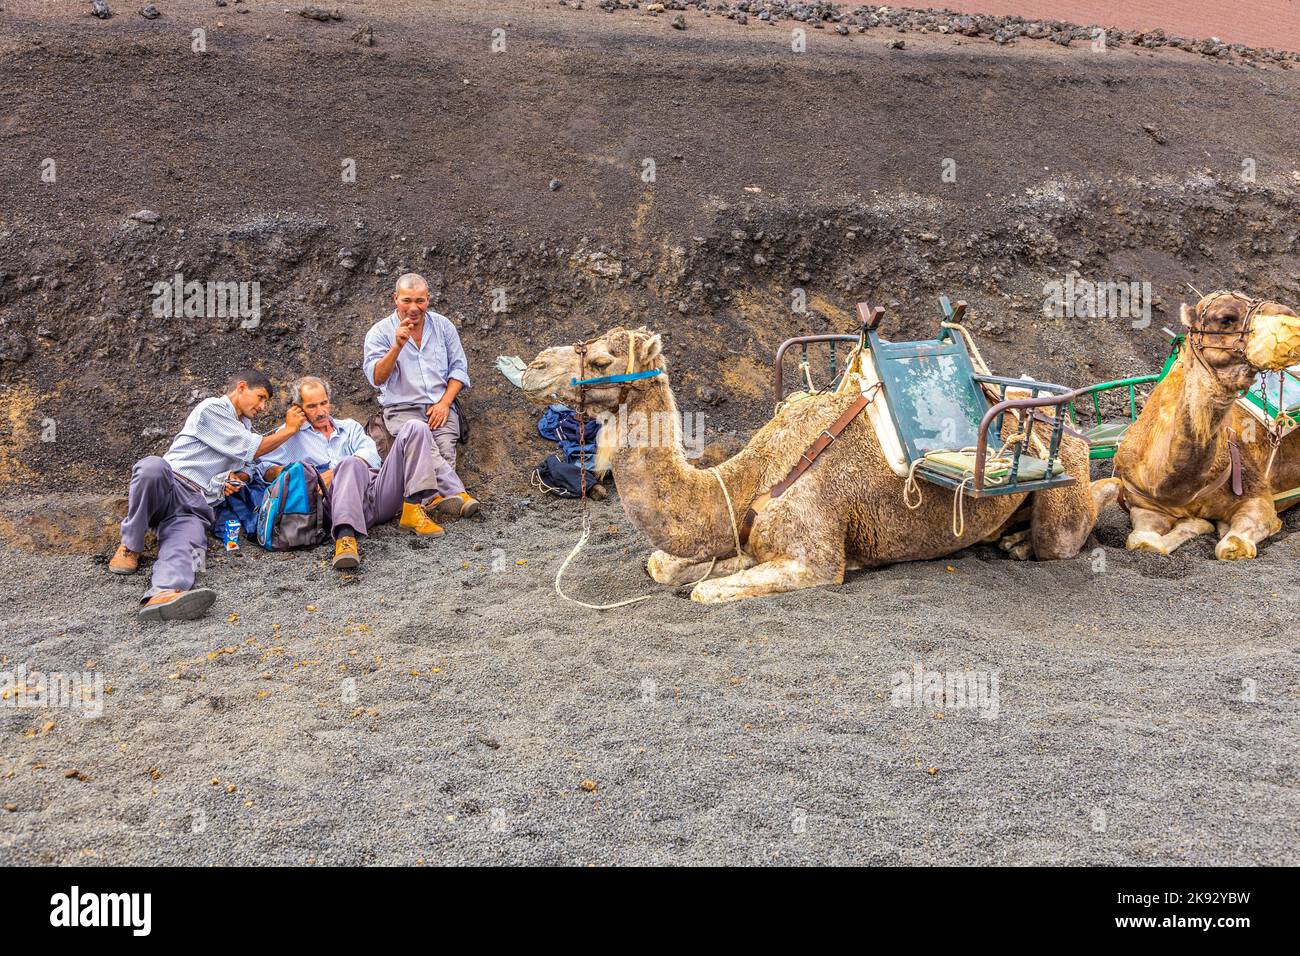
{"points": [[415, 359], [361, 492], [175, 493]]}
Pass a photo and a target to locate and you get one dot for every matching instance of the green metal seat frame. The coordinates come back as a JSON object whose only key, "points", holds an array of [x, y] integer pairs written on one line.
{"points": [[1104, 437], [938, 403]]}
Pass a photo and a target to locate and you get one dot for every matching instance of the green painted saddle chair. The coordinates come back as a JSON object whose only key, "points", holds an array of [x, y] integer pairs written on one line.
{"points": [[946, 419]]}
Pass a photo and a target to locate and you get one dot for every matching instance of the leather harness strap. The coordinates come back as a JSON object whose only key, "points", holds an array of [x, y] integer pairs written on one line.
{"points": [[1233, 472], [810, 455]]}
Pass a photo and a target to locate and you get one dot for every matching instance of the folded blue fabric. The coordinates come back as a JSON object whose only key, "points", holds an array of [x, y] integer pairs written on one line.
{"points": [[559, 423]]}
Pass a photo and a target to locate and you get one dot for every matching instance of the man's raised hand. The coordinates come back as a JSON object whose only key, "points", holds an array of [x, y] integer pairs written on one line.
{"points": [[405, 329], [294, 417]]}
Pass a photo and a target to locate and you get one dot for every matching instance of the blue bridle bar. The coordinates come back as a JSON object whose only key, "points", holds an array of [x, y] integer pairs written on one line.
{"points": [[616, 379]]}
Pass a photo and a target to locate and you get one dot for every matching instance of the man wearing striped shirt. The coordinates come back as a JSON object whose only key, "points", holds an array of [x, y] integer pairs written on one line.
{"points": [[415, 359], [174, 494], [361, 492]]}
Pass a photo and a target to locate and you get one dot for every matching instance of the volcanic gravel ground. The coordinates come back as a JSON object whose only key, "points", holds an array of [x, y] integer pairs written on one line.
{"points": [[763, 732]]}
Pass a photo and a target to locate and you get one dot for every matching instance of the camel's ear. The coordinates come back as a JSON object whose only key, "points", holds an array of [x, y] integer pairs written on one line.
{"points": [[652, 348], [1188, 314]]}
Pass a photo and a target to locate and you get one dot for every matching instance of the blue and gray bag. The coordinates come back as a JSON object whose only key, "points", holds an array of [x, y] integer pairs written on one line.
{"points": [[292, 513]]}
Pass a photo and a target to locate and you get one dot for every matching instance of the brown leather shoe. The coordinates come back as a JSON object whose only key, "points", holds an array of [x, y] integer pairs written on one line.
{"points": [[177, 605], [462, 505], [346, 554], [124, 561]]}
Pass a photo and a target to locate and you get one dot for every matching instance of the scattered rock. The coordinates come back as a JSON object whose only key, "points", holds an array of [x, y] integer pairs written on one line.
{"points": [[149, 12], [1151, 130], [320, 14], [897, 44], [147, 216], [365, 35], [679, 22], [555, 184], [98, 8]]}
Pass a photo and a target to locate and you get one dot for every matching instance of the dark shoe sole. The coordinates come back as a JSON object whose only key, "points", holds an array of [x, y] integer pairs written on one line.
{"points": [[469, 510], [187, 607], [123, 571], [450, 507], [346, 562]]}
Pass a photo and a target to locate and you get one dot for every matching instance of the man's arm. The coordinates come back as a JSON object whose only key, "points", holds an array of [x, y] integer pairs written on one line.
{"points": [[363, 446], [441, 410], [457, 376], [294, 418], [381, 353]]}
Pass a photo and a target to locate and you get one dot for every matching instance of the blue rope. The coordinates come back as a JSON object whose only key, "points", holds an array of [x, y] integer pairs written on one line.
{"points": [[614, 379]]}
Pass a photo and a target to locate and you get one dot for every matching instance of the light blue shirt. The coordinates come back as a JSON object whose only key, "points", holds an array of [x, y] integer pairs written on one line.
{"points": [[215, 441], [422, 371], [313, 448]]}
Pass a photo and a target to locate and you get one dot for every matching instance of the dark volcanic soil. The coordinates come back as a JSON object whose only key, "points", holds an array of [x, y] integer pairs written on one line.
{"points": [[442, 705]]}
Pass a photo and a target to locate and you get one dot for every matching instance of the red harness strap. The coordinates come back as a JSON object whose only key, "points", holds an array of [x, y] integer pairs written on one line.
{"points": [[805, 462]]}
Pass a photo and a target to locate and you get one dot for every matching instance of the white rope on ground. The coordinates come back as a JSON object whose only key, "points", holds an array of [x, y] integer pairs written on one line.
{"points": [[586, 532]]}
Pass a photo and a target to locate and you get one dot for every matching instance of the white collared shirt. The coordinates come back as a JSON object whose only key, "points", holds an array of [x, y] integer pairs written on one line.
{"points": [[215, 441], [422, 371], [313, 448]]}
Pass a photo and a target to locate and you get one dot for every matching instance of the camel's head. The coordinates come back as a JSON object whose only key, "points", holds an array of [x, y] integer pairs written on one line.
{"points": [[1237, 336], [550, 376]]}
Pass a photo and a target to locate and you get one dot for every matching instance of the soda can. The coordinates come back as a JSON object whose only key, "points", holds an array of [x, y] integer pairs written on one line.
{"points": [[232, 534]]}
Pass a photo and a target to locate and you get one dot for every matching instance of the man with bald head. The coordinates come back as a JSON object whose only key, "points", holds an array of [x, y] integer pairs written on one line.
{"points": [[415, 359]]}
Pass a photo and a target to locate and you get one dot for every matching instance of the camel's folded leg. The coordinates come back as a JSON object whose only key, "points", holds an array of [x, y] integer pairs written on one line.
{"points": [[1105, 491], [1252, 522], [1153, 531], [674, 571], [1018, 545], [771, 577]]}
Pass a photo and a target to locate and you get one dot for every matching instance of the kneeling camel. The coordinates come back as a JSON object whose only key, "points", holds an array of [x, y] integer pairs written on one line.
{"points": [[844, 513]]}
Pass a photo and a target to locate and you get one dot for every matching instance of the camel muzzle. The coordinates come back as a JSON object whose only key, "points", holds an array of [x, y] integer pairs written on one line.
{"points": [[1273, 341]]}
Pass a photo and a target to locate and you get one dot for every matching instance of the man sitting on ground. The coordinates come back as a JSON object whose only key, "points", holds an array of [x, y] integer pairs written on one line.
{"points": [[415, 359], [175, 493], [361, 492]]}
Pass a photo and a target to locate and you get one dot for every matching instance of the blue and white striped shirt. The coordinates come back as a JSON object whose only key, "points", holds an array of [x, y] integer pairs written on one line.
{"points": [[215, 441], [313, 448], [422, 371]]}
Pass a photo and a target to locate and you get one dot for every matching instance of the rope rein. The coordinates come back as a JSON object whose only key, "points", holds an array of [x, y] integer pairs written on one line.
{"points": [[581, 350], [912, 487]]}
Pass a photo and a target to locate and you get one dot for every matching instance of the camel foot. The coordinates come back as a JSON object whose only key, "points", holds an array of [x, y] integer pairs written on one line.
{"points": [[664, 568], [1233, 547], [673, 571], [1105, 492], [1011, 541], [1146, 541], [771, 577]]}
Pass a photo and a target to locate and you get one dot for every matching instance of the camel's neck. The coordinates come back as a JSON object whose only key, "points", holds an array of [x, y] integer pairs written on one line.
{"points": [[679, 507], [1187, 445]]}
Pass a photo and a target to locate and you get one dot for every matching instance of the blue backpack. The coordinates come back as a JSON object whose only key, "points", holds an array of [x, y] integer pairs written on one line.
{"points": [[292, 513]]}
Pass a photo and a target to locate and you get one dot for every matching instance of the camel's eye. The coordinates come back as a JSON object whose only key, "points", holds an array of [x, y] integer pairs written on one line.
{"points": [[601, 362]]}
